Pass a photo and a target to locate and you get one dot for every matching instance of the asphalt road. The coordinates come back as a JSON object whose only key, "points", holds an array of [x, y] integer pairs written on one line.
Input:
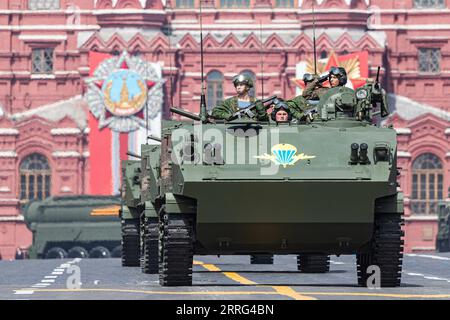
{"points": [[425, 276]]}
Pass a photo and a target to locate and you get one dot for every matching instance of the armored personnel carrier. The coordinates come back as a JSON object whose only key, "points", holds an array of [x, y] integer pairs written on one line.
{"points": [[315, 188], [74, 226], [130, 212]]}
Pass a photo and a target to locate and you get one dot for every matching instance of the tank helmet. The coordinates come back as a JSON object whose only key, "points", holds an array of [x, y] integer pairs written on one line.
{"points": [[340, 73], [243, 78], [308, 77], [280, 104]]}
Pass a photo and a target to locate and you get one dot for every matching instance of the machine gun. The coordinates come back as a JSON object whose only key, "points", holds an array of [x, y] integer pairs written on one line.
{"points": [[369, 96], [249, 110], [379, 96]]}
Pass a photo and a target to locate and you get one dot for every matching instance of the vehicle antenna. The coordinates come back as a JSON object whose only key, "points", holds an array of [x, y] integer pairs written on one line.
{"points": [[314, 37], [146, 108], [169, 33], [203, 114], [261, 59]]}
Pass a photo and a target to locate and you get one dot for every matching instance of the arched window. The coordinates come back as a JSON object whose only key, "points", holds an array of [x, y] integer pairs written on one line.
{"points": [[323, 54], [427, 184], [253, 76], [214, 80], [35, 178]]}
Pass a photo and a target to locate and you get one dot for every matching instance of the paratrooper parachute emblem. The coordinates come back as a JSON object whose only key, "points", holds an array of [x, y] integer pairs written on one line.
{"points": [[284, 155]]}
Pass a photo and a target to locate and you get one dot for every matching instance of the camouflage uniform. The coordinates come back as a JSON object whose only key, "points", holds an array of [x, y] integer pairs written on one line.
{"points": [[228, 107], [314, 91], [296, 106]]}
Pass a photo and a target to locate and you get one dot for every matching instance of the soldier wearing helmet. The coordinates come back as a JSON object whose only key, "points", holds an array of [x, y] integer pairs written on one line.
{"points": [[281, 111], [336, 76], [242, 83]]}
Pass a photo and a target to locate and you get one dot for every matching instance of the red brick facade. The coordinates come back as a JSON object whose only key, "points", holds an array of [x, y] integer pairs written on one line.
{"points": [[45, 113]]}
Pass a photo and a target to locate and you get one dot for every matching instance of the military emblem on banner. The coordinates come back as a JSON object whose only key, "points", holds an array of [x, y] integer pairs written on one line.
{"points": [[124, 91]]}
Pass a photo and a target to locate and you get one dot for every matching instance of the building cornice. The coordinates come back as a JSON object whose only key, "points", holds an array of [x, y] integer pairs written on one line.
{"points": [[8, 132], [8, 154], [11, 218], [65, 131], [66, 154], [403, 154], [47, 27], [42, 37], [403, 131], [422, 217]]}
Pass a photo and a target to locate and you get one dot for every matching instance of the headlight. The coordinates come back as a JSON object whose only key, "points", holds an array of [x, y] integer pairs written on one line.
{"points": [[361, 94]]}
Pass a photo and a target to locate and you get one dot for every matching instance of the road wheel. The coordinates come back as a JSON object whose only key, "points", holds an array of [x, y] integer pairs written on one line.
{"points": [[78, 252], [176, 250], [149, 243], [261, 259], [313, 263], [385, 251], [117, 252], [99, 253], [130, 243], [56, 253]]}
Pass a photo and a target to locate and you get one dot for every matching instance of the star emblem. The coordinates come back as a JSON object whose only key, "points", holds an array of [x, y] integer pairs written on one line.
{"points": [[123, 92]]}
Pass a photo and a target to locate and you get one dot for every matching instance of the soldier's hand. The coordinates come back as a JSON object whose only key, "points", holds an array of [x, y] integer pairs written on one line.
{"points": [[249, 113]]}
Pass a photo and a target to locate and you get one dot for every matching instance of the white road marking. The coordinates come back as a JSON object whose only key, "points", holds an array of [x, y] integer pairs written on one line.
{"points": [[21, 291], [414, 274], [427, 277], [436, 278], [48, 280], [428, 256]]}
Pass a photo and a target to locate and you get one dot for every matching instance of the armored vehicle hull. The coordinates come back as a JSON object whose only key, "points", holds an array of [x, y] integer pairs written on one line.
{"points": [[323, 202]]}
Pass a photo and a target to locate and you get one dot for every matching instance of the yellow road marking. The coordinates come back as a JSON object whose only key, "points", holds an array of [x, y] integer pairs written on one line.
{"points": [[280, 290], [288, 291], [383, 295], [285, 291], [210, 267], [238, 278]]}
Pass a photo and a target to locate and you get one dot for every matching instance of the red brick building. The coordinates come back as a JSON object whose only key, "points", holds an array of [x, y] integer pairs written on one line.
{"points": [[44, 62]]}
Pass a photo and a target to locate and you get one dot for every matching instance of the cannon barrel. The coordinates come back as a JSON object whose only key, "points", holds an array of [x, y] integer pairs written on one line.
{"points": [[186, 114], [151, 137], [132, 154]]}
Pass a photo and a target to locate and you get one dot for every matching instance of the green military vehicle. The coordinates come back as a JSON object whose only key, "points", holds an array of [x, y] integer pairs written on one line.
{"points": [[443, 236], [130, 212], [314, 188], [139, 227], [74, 227]]}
